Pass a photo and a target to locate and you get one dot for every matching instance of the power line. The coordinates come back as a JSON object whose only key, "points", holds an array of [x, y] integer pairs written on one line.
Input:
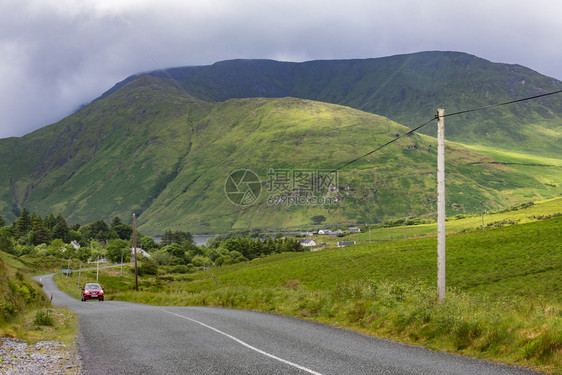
{"points": [[504, 103], [446, 115], [384, 145]]}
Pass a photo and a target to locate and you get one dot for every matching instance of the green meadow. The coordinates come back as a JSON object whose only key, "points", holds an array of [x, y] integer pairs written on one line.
{"points": [[519, 214]]}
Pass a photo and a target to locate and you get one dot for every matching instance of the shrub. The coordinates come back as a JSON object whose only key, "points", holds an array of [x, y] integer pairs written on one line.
{"points": [[200, 261], [43, 318], [148, 268], [180, 268]]}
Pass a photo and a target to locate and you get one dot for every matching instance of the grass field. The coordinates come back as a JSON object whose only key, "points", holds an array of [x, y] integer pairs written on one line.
{"points": [[497, 218], [503, 301]]}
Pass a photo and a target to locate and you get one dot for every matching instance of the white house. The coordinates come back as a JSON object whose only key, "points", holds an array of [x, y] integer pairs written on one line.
{"points": [[346, 243], [140, 252], [308, 242], [329, 232], [355, 229]]}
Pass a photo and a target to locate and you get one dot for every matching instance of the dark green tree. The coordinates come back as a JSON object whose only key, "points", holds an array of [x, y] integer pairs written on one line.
{"points": [[115, 222], [6, 241], [116, 249], [50, 221], [40, 233], [98, 230], [61, 229], [147, 243], [84, 253], [123, 231], [177, 252], [170, 237], [22, 225], [2, 222], [318, 219]]}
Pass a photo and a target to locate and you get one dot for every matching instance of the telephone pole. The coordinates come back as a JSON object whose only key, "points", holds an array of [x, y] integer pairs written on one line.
{"points": [[440, 204], [135, 250], [482, 209]]}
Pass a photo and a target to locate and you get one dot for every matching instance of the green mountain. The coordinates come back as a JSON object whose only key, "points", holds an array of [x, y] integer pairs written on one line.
{"points": [[407, 89], [149, 147]]}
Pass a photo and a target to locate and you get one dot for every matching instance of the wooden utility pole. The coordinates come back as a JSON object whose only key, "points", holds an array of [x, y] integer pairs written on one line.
{"points": [[79, 273], [482, 209], [440, 204], [135, 250]]}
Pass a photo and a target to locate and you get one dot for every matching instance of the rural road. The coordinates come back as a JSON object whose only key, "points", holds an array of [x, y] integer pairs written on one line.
{"points": [[127, 338]]}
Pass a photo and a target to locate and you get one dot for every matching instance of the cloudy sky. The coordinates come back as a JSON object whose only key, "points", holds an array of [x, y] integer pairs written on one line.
{"points": [[58, 54]]}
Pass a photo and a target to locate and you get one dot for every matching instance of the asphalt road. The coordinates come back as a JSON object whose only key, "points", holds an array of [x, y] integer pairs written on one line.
{"points": [[127, 338]]}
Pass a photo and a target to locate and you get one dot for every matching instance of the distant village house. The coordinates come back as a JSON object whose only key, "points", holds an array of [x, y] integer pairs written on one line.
{"points": [[307, 242], [346, 243]]}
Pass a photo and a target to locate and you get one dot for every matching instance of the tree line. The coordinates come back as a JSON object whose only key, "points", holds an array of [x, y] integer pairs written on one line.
{"points": [[51, 235]]}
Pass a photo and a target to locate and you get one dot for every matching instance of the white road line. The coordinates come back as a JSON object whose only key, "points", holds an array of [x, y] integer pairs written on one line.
{"points": [[247, 345]]}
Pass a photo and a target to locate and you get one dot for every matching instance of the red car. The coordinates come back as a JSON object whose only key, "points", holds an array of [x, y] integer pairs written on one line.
{"points": [[92, 291]]}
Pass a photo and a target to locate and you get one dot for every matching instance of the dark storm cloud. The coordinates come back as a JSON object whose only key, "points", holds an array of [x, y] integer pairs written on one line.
{"points": [[58, 54]]}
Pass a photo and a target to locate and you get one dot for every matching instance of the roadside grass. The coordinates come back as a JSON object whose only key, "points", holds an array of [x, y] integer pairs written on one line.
{"points": [[25, 311], [43, 324], [503, 301]]}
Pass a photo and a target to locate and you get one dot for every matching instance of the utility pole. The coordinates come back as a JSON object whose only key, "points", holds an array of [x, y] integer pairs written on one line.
{"points": [[135, 250], [440, 204], [69, 258], [79, 273], [482, 209], [406, 217]]}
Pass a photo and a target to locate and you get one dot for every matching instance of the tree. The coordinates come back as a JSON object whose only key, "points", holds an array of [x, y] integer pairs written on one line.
{"points": [[60, 229], [40, 233], [56, 248], [123, 231], [170, 237], [116, 249], [162, 257], [96, 250], [98, 230], [115, 222], [177, 252], [147, 243], [22, 225], [318, 219], [84, 253], [2, 222], [6, 240], [50, 221]]}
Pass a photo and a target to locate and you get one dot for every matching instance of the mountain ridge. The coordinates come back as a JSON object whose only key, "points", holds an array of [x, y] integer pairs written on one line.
{"points": [[406, 88], [156, 149]]}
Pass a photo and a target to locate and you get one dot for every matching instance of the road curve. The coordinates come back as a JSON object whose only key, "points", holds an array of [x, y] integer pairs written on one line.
{"points": [[127, 338]]}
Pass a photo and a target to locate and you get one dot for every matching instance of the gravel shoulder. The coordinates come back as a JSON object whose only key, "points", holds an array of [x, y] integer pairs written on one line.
{"points": [[43, 357]]}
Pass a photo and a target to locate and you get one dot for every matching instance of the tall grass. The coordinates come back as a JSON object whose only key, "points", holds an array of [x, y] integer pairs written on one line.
{"points": [[25, 311]]}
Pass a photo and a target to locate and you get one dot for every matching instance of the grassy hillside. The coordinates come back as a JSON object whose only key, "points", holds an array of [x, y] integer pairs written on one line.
{"points": [[503, 299], [407, 89], [147, 149]]}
